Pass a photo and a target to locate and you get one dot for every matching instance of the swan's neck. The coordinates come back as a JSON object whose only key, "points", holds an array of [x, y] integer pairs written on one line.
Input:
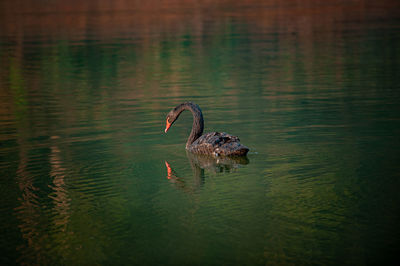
{"points": [[198, 122]]}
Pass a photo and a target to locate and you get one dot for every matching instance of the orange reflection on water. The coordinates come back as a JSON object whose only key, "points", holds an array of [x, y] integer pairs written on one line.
{"points": [[60, 195], [29, 212], [38, 225], [170, 175]]}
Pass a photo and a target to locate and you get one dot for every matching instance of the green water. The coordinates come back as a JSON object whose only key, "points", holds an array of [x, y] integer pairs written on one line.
{"points": [[312, 90]]}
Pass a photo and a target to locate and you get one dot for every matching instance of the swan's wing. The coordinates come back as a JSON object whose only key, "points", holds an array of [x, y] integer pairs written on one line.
{"points": [[218, 144]]}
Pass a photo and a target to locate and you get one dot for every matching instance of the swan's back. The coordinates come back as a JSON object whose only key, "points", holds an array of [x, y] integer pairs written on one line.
{"points": [[218, 144]]}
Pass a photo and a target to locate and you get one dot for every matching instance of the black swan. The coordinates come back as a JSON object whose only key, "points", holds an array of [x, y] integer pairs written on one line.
{"points": [[213, 143]]}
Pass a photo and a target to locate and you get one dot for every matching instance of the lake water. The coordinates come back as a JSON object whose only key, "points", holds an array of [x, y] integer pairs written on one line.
{"points": [[88, 176]]}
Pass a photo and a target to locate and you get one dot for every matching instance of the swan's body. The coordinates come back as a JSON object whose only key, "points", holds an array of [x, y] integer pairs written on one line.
{"points": [[214, 143]]}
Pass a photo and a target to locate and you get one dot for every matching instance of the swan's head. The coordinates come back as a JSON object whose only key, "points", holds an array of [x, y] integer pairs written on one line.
{"points": [[171, 117]]}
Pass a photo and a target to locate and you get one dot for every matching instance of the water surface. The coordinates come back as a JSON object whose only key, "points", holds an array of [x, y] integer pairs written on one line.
{"points": [[89, 177]]}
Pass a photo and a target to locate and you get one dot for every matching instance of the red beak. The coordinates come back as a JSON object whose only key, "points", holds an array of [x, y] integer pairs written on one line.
{"points": [[167, 126]]}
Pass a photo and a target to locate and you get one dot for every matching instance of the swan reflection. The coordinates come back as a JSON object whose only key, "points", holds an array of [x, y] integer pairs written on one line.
{"points": [[201, 163], [216, 164]]}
